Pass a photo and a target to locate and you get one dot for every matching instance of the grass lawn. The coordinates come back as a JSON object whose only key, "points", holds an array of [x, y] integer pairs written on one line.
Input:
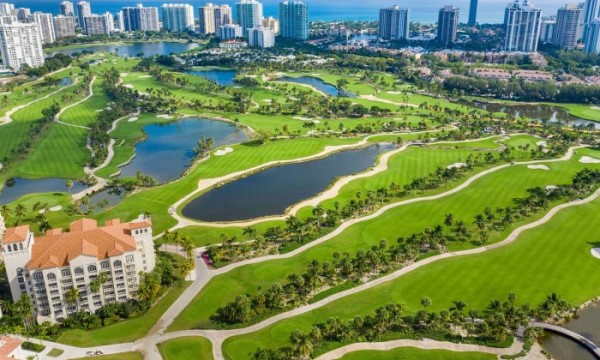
{"points": [[494, 190], [121, 356], [186, 348], [582, 111], [55, 352], [550, 258], [85, 113], [410, 353]]}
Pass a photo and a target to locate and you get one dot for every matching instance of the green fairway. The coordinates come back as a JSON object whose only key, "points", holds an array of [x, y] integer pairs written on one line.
{"points": [[547, 259], [409, 353], [85, 113], [186, 348], [121, 356]]}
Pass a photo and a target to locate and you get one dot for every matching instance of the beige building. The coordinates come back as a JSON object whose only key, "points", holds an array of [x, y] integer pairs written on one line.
{"points": [[272, 24], [64, 26]]}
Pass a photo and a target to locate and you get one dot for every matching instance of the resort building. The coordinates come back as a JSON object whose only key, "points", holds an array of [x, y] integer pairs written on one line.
{"points": [[249, 14], [394, 23], [567, 27], [102, 263], [293, 17], [447, 25], [64, 26], [178, 17], [99, 24], [139, 18], [21, 44], [46, 25], [522, 23], [212, 17], [272, 23], [261, 37], [67, 8], [233, 45], [230, 31], [84, 9]]}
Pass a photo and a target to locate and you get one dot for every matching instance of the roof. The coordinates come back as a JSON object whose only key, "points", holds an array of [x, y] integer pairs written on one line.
{"points": [[7, 346], [15, 234], [57, 249]]}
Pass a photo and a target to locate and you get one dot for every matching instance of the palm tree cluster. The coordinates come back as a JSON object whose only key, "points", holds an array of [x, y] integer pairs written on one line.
{"points": [[493, 325], [188, 248]]}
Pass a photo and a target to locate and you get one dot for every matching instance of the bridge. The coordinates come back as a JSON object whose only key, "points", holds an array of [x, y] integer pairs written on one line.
{"points": [[589, 344]]}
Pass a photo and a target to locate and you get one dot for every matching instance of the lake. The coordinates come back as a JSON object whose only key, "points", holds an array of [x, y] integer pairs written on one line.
{"points": [[18, 187], [271, 191], [318, 84], [133, 49], [220, 77]]}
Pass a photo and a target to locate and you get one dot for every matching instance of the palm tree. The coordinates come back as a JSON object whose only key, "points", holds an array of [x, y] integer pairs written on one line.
{"points": [[318, 212], [187, 267], [449, 220], [20, 212], [250, 232], [426, 302], [5, 211], [69, 184], [71, 295]]}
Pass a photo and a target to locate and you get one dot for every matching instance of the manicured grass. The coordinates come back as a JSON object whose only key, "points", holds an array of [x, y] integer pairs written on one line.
{"points": [[85, 113], [206, 235], [121, 356], [186, 348], [494, 190], [582, 111], [410, 353], [547, 259], [55, 352]]}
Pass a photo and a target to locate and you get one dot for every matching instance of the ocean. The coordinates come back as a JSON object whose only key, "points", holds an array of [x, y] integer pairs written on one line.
{"points": [[490, 11]]}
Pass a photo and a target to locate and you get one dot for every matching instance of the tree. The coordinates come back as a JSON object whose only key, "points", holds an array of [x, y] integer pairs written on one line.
{"points": [[449, 220], [5, 211], [250, 232], [20, 212], [426, 302], [71, 295], [187, 267], [69, 184]]}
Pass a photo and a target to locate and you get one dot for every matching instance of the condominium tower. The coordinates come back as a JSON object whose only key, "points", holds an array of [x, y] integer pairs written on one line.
{"points": [[522, 23], [83, 9], [261, 37], [249, 14], [447, 25], [394, 23], [139, 18], [567, 27], [592, 44], [46, 25], [67, 8], [178, 17], [64, 26], [591, 11], [473, 13], [21, 44], [293, 20]]}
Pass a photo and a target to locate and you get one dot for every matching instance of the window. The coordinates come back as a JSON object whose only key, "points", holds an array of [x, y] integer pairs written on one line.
{"points": [[65, 272], [117, 264], [37, 276], [105, 265], [19, 271], [78, 271], [92, 268], [51, 276], [129, 258]]}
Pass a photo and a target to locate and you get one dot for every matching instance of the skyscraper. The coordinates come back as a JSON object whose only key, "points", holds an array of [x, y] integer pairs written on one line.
{"points": [[547, 30], [67, 9], [293, 20], [207, 20], [394, 23], [567, 26], [593, 43], [140, 18], [84, 9], [473, 13], [64, 26], [447, 25], [23, 14], [178, 17], [522, 23], [21, 44], [272, 23], [591, 11], [98, 24], [46, 26], [249, 14], [261, 37], [230, 31], [223, 16], [7, 9]]}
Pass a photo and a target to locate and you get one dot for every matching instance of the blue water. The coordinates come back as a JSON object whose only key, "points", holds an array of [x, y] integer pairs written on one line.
{"points": [[221, 77], [317, 84], [133, 50], [271, 191], [21, 187], [490, 11], [169, 148]]}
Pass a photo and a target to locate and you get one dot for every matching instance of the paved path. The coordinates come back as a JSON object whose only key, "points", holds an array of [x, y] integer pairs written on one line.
{"points": [[589, 344], [62, 111]]}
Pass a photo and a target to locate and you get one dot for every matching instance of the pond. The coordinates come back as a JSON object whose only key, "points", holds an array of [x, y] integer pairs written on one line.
{"points": [[272, 191], [220, 77], [66, 81], [18, 187], [318, 84], [133, 49], [587, 323], [535, 112], [102, 200], [169, 148]]}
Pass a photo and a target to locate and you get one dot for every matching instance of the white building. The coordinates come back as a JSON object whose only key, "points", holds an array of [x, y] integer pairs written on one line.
{"points": [[23, 14], [7, 9], [233, 45], [271, 23], [394, 23], [522, 23], [67, 8], [7, 20], [46, 268], [46, 25], [261, 37], [99, 24], [591, 10], [21, 44], [140, 18], [547, 30], [206, 18], [223, 16], [567, 27], [64, 26], [230, 31], [84, 9], [249, 14], [178, 17], [592, 44]]}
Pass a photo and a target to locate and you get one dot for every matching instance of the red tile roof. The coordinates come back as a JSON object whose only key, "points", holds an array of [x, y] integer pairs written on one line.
{"points": [[7, 346], [15, 234]]}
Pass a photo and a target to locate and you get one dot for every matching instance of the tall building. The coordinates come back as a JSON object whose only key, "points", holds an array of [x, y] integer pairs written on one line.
{"points": [[249, 14], [223, 16], [261, 37], [67, 9], [293, 17], [567, 27], [547, 30], [21, 44], [473, 13], [7, 9], [447, 25], [23, 14], [178, 17], [592, 45], [84, 9], [64, 26], [8, 20], [110, 22], [272, 23], [207, 20], [45, 268], [230, 31], [522, 23], [46, 25], [99, 24], [394, 23], [591, 11], [140, 18]]}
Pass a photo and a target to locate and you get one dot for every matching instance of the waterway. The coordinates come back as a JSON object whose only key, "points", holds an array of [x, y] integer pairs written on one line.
{"points": [[220, 77], [144, 49], [318, 84], [17, 187], [272, 191]]}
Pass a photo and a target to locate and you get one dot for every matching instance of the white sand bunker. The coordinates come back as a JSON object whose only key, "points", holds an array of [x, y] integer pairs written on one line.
{"points": [[225, 151], [457, 165], [595, 107], [1, 166], [133, 119], [315, 74], [551, 187], [394, 92], [306, 119], [268, 100], [124, 74], [164, 116], [541, 143], [145, 76], [596, 253], [589, 160], [129, 86], [538, 167], [53, 209]]}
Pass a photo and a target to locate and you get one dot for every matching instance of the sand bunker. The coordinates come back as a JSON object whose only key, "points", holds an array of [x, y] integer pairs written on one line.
{"points": [[164, 116], [596, 253], [394, 92], [457, 165], [306, 119], [589, 160], [538, 167], [145, 76], [1, 166], [129, 86], [268, 100], [225, 151], [595, 107], [541, 143], [133, 119], [124, 74], [53, 209]]}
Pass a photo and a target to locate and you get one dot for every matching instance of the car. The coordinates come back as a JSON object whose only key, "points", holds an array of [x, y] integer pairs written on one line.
{"points": [[90, 353], [98, 352]]}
